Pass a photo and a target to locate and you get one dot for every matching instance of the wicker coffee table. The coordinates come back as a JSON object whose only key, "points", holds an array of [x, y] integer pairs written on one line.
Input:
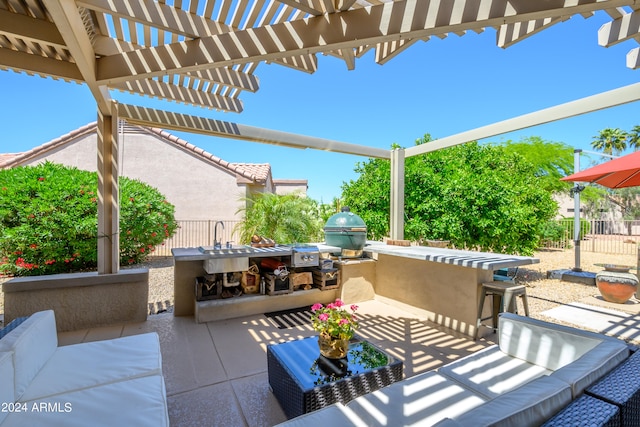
{"points": [[303, 381]]}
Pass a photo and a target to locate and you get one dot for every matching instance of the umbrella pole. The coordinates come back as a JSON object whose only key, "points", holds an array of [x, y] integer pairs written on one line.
{"points": [[576, 212]]}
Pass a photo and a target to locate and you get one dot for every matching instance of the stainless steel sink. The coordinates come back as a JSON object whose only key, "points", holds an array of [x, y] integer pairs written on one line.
{"points": [[226, 260], [226, 265], [234, 250]]}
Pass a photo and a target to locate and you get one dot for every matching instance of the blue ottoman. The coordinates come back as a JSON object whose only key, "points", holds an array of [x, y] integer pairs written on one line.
{"points": [[586, 411], [621, 387]]}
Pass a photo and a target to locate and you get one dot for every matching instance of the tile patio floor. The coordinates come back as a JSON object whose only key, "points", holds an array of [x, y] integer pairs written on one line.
{"points": [[216, 373]]}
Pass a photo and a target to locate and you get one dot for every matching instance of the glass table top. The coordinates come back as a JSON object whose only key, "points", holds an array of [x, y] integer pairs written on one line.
{"points": [[310, 369]]}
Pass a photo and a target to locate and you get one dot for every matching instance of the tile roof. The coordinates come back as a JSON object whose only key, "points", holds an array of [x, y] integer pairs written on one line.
{"points": [[258, 173], [7, 157], [261, 171], [42, 149]]}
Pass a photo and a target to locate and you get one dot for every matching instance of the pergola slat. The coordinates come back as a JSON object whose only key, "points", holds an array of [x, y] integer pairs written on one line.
{"points": [[161, 90], [28, 28], [176, 121], [510, 34], [376, 24], [134, 41], [619, 30]]}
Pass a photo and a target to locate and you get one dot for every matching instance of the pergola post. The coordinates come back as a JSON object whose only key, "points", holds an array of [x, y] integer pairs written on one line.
{"points": [[108, 197], [397, 194]]}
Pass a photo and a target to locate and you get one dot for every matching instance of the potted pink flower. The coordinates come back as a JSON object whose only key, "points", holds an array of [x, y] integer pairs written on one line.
{"points": [[336, 326]]}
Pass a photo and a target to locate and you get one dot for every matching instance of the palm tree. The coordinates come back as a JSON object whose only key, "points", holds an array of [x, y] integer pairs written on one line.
{"points": [[288, 218], [634, 138], [610, 141]]}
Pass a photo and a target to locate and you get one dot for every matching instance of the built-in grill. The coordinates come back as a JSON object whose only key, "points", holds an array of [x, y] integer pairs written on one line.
{"points": [[304, 255]]}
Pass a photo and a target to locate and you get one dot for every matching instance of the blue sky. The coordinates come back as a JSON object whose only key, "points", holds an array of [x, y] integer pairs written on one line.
{"points": [[441, 87]]}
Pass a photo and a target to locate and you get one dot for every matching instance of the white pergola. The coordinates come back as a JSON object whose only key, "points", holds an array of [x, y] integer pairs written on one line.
{"points": [[206, 53]]}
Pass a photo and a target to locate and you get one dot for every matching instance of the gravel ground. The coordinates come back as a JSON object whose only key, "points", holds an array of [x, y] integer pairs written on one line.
{"points": [[543, 293]]}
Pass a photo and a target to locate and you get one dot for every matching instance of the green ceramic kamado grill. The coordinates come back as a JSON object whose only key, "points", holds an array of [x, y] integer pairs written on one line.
{"points": [[347, 231]]}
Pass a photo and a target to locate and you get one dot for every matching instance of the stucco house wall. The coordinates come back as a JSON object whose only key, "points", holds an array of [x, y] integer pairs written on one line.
{"points": [[200, 185], [287, 186]]}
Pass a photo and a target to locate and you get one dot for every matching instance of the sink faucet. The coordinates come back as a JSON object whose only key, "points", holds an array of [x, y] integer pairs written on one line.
{"points": [[216, 243]]}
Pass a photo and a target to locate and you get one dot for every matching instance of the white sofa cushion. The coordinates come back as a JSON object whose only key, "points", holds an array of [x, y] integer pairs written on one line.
{"points": [[490, 372], [543, 343], [592, 366], [7, 390], [421, 400], [530, 405], [90, 364], [139, 402], [32, 343], [576, 356]]}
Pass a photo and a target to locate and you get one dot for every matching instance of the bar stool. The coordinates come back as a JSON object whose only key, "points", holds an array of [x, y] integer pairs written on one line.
{"points": [[504, 299]]}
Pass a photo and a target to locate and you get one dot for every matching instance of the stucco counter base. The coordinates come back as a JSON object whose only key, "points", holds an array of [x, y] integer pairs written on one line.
{"points": [[447, 293], [442, 284]]}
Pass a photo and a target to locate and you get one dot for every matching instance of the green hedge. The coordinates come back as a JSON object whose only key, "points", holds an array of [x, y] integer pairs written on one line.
{"points": [[49, 221]]}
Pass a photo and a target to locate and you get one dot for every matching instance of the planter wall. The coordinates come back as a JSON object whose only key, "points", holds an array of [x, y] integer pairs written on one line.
{"points": [[80, 300]]}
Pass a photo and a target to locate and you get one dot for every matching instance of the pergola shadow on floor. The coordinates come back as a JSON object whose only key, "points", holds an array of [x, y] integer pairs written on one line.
{"points": [[216, 372]]}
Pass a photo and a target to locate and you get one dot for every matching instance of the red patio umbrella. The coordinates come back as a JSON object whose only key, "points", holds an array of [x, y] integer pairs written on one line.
{"points": [[617, 173]]}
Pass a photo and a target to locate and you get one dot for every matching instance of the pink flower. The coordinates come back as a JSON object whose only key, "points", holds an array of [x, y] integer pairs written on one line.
{"points": [[354, 307], [334, 320]]}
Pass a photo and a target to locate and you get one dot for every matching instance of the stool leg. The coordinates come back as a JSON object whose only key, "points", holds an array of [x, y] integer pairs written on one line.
{"points": [[496, 308], [509, 302], [525, 302], [479, 321]]}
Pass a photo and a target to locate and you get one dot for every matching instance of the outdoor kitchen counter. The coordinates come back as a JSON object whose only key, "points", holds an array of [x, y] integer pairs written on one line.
{"points": [[481, 260], [188, 264], [195, 254], [442, 284]]}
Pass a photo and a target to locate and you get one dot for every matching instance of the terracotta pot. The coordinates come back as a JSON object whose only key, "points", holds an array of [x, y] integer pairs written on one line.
{"points": [[332, 348], [616, 287]]}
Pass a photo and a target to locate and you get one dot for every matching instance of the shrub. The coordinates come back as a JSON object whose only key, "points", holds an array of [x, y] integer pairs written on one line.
{"points": [[552, 232], [49, 221]]}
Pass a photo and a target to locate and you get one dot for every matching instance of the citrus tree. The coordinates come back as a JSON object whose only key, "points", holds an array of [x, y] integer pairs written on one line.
{"points": [[476, 196], [49, 220]]}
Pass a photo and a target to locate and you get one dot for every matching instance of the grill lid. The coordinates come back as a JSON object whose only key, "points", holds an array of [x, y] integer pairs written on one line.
{"points": [[345, 221]]}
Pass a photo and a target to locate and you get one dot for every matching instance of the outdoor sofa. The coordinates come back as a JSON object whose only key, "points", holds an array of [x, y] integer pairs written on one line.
{"points": [[115, 382], [536, 370]]}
